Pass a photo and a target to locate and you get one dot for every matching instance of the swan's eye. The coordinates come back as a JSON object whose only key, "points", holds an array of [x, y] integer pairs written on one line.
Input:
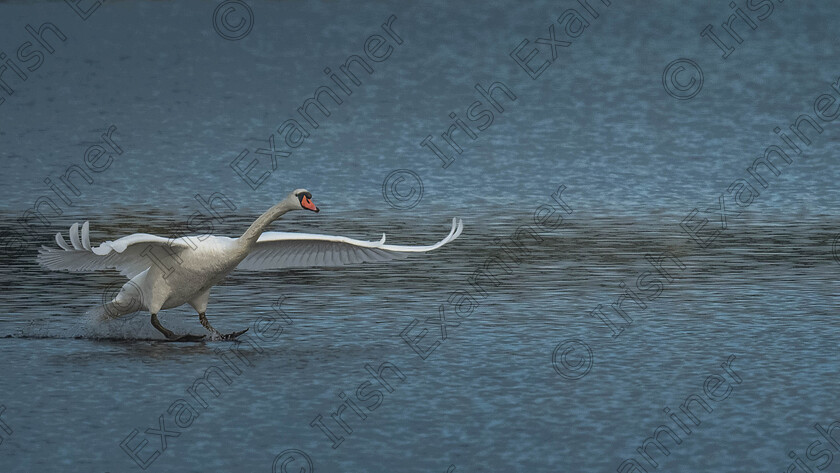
{"points": [[304, 198]]}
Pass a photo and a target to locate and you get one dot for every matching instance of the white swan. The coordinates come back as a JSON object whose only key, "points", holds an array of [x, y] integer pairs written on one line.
{"points": [[165, 273]]}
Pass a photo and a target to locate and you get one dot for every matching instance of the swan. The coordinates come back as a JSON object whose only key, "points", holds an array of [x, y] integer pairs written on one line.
{"points": [[164, 273]]}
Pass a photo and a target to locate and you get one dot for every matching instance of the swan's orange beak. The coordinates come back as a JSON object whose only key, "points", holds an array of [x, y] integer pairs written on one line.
{"points": [[306, 203]]}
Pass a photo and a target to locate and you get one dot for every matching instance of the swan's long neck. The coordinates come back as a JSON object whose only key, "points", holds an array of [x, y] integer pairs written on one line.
{"points": [[260, 224]]}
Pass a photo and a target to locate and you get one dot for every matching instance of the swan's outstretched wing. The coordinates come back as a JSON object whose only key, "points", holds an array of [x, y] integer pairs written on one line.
{"points": [[280, 250], [129, 255]]}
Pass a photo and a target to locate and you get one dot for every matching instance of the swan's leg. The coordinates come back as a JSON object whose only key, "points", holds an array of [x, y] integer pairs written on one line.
{"points": [[202, 317], [170, 335], [199, 303]]}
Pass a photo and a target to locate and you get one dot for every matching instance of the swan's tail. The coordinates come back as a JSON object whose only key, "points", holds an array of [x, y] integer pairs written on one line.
{"points": [[109, 311], [106, 321], [100, 313]]}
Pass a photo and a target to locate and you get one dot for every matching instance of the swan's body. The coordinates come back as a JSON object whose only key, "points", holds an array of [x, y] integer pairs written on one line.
{"points": [[165, 273]]}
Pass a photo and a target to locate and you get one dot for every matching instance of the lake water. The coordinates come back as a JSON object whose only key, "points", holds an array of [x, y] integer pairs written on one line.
{"points": [[527, 379]]}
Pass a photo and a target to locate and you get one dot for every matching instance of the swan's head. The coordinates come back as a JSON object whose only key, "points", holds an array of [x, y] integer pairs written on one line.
{"points": [[303, 198]]}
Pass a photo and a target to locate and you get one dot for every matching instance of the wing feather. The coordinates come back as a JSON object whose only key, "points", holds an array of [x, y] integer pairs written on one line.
{"points": [[74, 237], [280, 250], [273, 250], [61, 242], [86, 236], [124, 254]]}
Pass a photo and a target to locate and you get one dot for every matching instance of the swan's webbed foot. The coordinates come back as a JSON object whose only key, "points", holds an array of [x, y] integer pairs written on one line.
{"points": [[232, 335], [215, 334], [186, 338], [171, 336]]}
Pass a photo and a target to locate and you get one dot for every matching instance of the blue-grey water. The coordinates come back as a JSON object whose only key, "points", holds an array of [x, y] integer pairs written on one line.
{"points": [[494, 394]]}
